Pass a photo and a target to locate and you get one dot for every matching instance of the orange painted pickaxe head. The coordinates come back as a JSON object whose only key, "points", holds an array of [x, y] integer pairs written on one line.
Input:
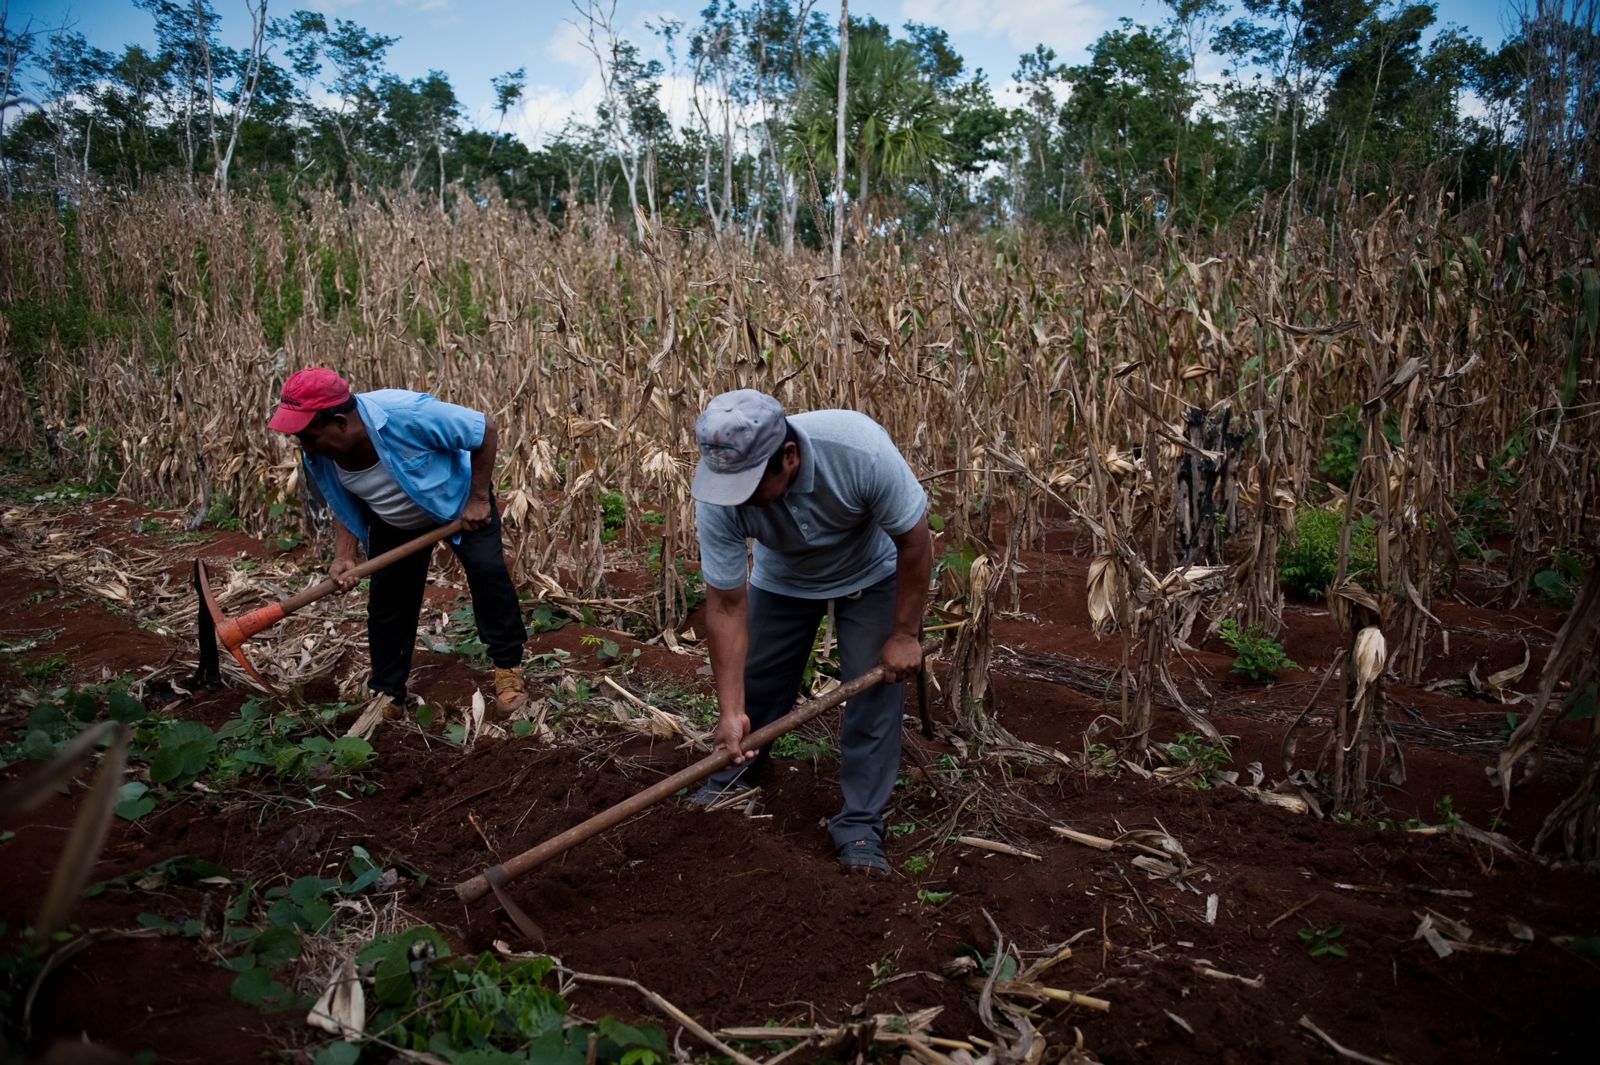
{"points": [[214, 625]]}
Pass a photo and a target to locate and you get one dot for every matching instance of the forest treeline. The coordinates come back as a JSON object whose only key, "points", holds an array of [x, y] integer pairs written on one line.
{"points": [[1316, 101]]}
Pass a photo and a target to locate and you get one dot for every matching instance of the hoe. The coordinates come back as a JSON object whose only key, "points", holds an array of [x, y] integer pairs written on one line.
{"points": [[495, 878], [214, 625]]}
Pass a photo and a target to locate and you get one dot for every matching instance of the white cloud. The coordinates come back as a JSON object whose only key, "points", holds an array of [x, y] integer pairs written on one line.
{"points": [[1068, 26]]}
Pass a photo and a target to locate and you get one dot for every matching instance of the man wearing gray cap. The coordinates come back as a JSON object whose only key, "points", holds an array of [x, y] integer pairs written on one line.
{"points": [[836, 514]]}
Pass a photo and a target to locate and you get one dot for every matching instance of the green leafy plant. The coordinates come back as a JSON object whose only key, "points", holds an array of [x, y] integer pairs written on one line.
{"points": [[1449, 819], [605, 647], [221, 514], [1341, 448], [1192, 750], [22, 960], [44, 670], [613, 515], [917, 864], [934, 898], [483, 1010], [1319, 942], [1256, 655], [543, 618], [791, 745], [1581, 702], [63, 713], [1307, 561], [1560, 579], [462, 636]]}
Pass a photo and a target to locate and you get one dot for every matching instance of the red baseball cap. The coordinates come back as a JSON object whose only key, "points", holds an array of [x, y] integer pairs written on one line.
{"points": [[304, 394]]}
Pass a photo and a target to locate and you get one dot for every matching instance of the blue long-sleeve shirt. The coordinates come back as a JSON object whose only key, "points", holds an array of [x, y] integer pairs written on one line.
{"points": [[424, 442]]}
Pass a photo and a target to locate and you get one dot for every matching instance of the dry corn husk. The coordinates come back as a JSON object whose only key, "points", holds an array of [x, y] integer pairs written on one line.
{"points": [[341, 1009], [1107, 592], [1120, 463], [1371, 653]]}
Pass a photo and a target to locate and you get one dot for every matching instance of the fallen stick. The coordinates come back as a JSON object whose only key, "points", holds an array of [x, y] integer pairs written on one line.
{"points": [[1291, 911], [1342, 1051], [1217, 974], [1053, 994], [1099, 843], [670, 1010], [997, 847]]}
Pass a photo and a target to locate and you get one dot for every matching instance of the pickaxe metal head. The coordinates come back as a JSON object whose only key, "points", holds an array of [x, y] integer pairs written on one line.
{"points": [[215, 625]]}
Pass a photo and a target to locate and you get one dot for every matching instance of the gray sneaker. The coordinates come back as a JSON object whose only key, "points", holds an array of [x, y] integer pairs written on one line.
{"points": [[864, 856]]}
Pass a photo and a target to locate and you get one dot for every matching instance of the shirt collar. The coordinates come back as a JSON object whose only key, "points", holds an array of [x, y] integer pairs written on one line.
{"points": [[374, 414]]}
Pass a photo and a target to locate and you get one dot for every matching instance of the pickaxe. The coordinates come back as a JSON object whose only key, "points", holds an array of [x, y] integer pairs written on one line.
{"points": [[214, 625]]}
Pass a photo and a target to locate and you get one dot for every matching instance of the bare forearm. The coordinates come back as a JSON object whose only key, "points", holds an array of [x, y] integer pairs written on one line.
{"points": [[483, 460], [729, 639], [913, 567], [345, 544]]}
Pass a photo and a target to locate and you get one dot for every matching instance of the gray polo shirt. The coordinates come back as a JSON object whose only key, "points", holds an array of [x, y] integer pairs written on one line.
{"points": [[830, 533]]}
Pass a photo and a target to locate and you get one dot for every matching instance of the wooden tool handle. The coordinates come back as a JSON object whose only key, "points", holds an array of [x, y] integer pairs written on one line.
{"points": [[372, 565], [478, 886]]}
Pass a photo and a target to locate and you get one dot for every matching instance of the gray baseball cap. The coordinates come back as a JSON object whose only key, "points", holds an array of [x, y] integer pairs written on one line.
{"points": [[737, 433]]}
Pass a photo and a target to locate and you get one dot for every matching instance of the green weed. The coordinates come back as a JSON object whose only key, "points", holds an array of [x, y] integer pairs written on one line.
{"points": [[1256, 655], [1191, 750], [791, 745], [1319, 942], [1559, 580], [1307, 562]]}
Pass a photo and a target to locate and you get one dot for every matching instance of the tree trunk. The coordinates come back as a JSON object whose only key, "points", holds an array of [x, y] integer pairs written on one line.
{"points": [[247, 92], [211, 93], [837, 319]]}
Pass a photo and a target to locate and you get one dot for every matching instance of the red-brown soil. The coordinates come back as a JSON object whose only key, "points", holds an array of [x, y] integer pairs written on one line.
{"points": [[740, 921]]}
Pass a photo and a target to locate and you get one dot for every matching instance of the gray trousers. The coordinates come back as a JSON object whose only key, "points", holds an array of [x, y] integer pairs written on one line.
{"points": [[782, 630]]}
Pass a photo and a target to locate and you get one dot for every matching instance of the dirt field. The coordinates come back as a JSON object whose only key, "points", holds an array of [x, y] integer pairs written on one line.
{"points": [[740, 921]]}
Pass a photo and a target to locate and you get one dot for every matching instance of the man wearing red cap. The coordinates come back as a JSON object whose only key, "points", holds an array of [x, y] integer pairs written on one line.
{"points": [[392, 465]]}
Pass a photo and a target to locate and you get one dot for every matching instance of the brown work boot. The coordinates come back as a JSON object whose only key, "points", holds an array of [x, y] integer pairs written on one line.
{"points": [[509, 692]]}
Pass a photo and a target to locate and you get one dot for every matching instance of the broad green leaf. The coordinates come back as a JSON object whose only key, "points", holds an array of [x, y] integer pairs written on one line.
{"points": [[338, 1054], [276, 946], [646, 1035], [125, 708], [37, 746], [196, 756], [351, 753], [258, 987], [182, 732], [554, 1048], [316, 915], [84, 706], [47, 717], [392, 981], [133, 809], [308, 888]]}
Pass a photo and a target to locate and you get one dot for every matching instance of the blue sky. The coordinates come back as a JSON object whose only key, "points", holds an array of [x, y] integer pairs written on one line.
{"points": [[473, 40]]}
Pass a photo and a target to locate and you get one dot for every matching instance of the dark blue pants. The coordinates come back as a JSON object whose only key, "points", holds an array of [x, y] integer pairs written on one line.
{"points": [[394, 601], [782, 630]]}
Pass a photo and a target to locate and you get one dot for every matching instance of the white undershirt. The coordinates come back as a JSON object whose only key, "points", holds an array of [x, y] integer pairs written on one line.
{"points": [[384, 495]]}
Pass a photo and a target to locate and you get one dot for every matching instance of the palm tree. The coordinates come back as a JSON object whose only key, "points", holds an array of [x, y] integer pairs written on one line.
{"points": [[895, 121]]}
